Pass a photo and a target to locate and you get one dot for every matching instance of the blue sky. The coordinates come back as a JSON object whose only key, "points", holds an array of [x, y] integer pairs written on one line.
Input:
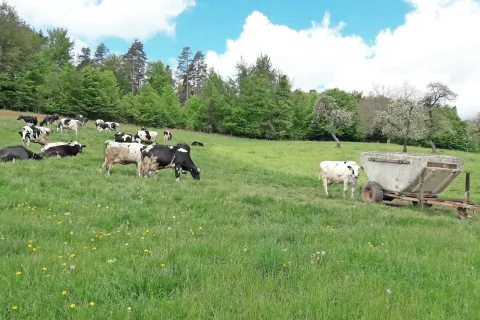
{"points": [[210, 23]]}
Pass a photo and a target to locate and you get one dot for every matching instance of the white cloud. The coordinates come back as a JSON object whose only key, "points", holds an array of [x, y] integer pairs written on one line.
{"points": [[91, 20], [437, 42]]}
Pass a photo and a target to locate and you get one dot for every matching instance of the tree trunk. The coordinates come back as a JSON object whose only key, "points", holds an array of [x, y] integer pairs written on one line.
{"points": [[432, 145], [336, 140], [405, 144], [388, 140]]}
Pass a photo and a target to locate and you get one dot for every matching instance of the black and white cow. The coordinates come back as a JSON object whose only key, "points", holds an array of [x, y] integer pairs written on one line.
{"points": [[168, 156], [28, 119], [98, 121], [62, 149], [182, 145], [197, 143], [125, 137], [83, 120], [34, 134], [339, 172], [17, 153], [70, 124], [167, 135], [49, 119], [107, 126], [146, 136]]}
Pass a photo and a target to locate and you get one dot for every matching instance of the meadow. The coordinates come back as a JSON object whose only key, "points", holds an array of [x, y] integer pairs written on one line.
{"points": [[255, 238]]}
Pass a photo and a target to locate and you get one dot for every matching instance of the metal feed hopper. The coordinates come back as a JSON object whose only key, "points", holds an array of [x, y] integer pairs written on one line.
{"points": [[417, 177]]}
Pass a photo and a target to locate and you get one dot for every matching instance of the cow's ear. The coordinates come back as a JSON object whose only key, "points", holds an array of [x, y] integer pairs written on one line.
{"points": [[20, 132], [84, 145]]}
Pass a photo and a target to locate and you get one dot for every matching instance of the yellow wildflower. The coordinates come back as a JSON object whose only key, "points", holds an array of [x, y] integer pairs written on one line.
{"points": [[44, 269], [91, 303], [201, 228], [34, 249], [18, 273], [14, 307], [29, 245], [72, 305], [93, 249], [162, 265], [59, 222], [72, 255], [59, 257], [64, 292]]}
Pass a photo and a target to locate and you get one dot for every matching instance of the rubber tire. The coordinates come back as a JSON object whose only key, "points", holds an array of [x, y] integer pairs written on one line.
{"points": [[372, 192]]}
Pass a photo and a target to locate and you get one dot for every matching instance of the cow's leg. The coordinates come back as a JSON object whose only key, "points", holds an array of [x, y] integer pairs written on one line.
{"points": [[345, 187], [177, 173], [102, 166], [109, 166], [325, 185], [354, 183]]}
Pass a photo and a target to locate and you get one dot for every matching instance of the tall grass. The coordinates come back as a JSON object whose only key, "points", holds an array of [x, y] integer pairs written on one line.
{"points": [[237, 244]]}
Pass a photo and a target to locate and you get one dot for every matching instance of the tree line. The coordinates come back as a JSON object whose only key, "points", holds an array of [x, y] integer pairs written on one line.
{"points": [[39, 73]]}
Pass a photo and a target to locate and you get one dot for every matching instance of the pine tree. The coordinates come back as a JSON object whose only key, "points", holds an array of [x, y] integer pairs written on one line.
{"points": [[84, 58], [136, 60], [101, 54], [198, 72], [183, 74]]}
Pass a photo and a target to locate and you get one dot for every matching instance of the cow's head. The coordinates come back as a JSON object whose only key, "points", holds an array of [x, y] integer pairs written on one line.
{"points": [[20, 117], [37, 157], [26, 133], [355, 169], [195, 171]]}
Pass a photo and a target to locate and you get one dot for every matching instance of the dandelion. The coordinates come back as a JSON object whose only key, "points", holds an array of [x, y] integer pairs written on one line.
{"points": [[64, 264], [169, 228], [18, 273], [72, 267], [59, 222], [173, 217], [29, 245], [91, 304], [94, 249], [34, 249], [14, 307], [59, 257], [64, 292], [2, 238], [72, 305], [147, 231], [72, 255], [47, 276], [162, 265], [129, 309], [389, 290], [323, 253], [126, 244], [245, 249], [44, 269], [201, 228]]}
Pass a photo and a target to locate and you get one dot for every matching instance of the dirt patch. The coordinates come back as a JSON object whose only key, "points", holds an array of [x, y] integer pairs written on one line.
{"points": [[15, 114]]}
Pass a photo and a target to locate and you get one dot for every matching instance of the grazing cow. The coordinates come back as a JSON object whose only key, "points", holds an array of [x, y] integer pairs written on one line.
{"points": [[147, 137], [70, 124], [182, 145], [49, 119], [125, 137], [197, 143], [167, 135], [82, 120], [35, 134], [62, 149], [98, 121], [28, 119], [17, 153], [122, 153], [169, 156], [337, 172], [113, 125]]}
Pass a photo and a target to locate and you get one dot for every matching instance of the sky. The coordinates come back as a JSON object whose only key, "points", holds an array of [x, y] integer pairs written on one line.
{"points": [[348, 44]]}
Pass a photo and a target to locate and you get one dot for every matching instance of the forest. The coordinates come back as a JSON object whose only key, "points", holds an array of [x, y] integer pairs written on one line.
{"points": [[39, 72]]}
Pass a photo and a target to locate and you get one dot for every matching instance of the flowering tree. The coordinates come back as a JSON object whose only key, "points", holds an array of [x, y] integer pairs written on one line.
{"points": [[403, 118], [326, 109]]}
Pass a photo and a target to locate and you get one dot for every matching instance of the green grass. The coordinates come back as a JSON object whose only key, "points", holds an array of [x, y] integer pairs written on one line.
{"points": [[237, 244]]}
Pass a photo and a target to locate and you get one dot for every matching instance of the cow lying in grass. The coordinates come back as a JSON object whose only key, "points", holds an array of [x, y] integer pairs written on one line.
{"points": [[17, 153], [62, 149], [338, 172]]}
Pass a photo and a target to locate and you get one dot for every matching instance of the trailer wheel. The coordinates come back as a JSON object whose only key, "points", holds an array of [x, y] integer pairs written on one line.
{"points": [[372, 192]]}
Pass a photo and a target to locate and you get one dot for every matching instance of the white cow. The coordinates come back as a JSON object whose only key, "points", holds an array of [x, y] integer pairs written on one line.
{"points": [[122, 153], [70, 124], [35, 134], [337, 172]]}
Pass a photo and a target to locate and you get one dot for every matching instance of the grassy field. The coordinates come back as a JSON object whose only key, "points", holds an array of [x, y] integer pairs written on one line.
{"points": [[237, 244]]}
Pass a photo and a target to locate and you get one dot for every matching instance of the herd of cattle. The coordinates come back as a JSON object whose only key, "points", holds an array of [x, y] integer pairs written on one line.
{"points": [[140, 148]]}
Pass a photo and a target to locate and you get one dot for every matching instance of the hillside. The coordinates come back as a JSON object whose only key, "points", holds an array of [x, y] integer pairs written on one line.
{"points": [[236, 244]]}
